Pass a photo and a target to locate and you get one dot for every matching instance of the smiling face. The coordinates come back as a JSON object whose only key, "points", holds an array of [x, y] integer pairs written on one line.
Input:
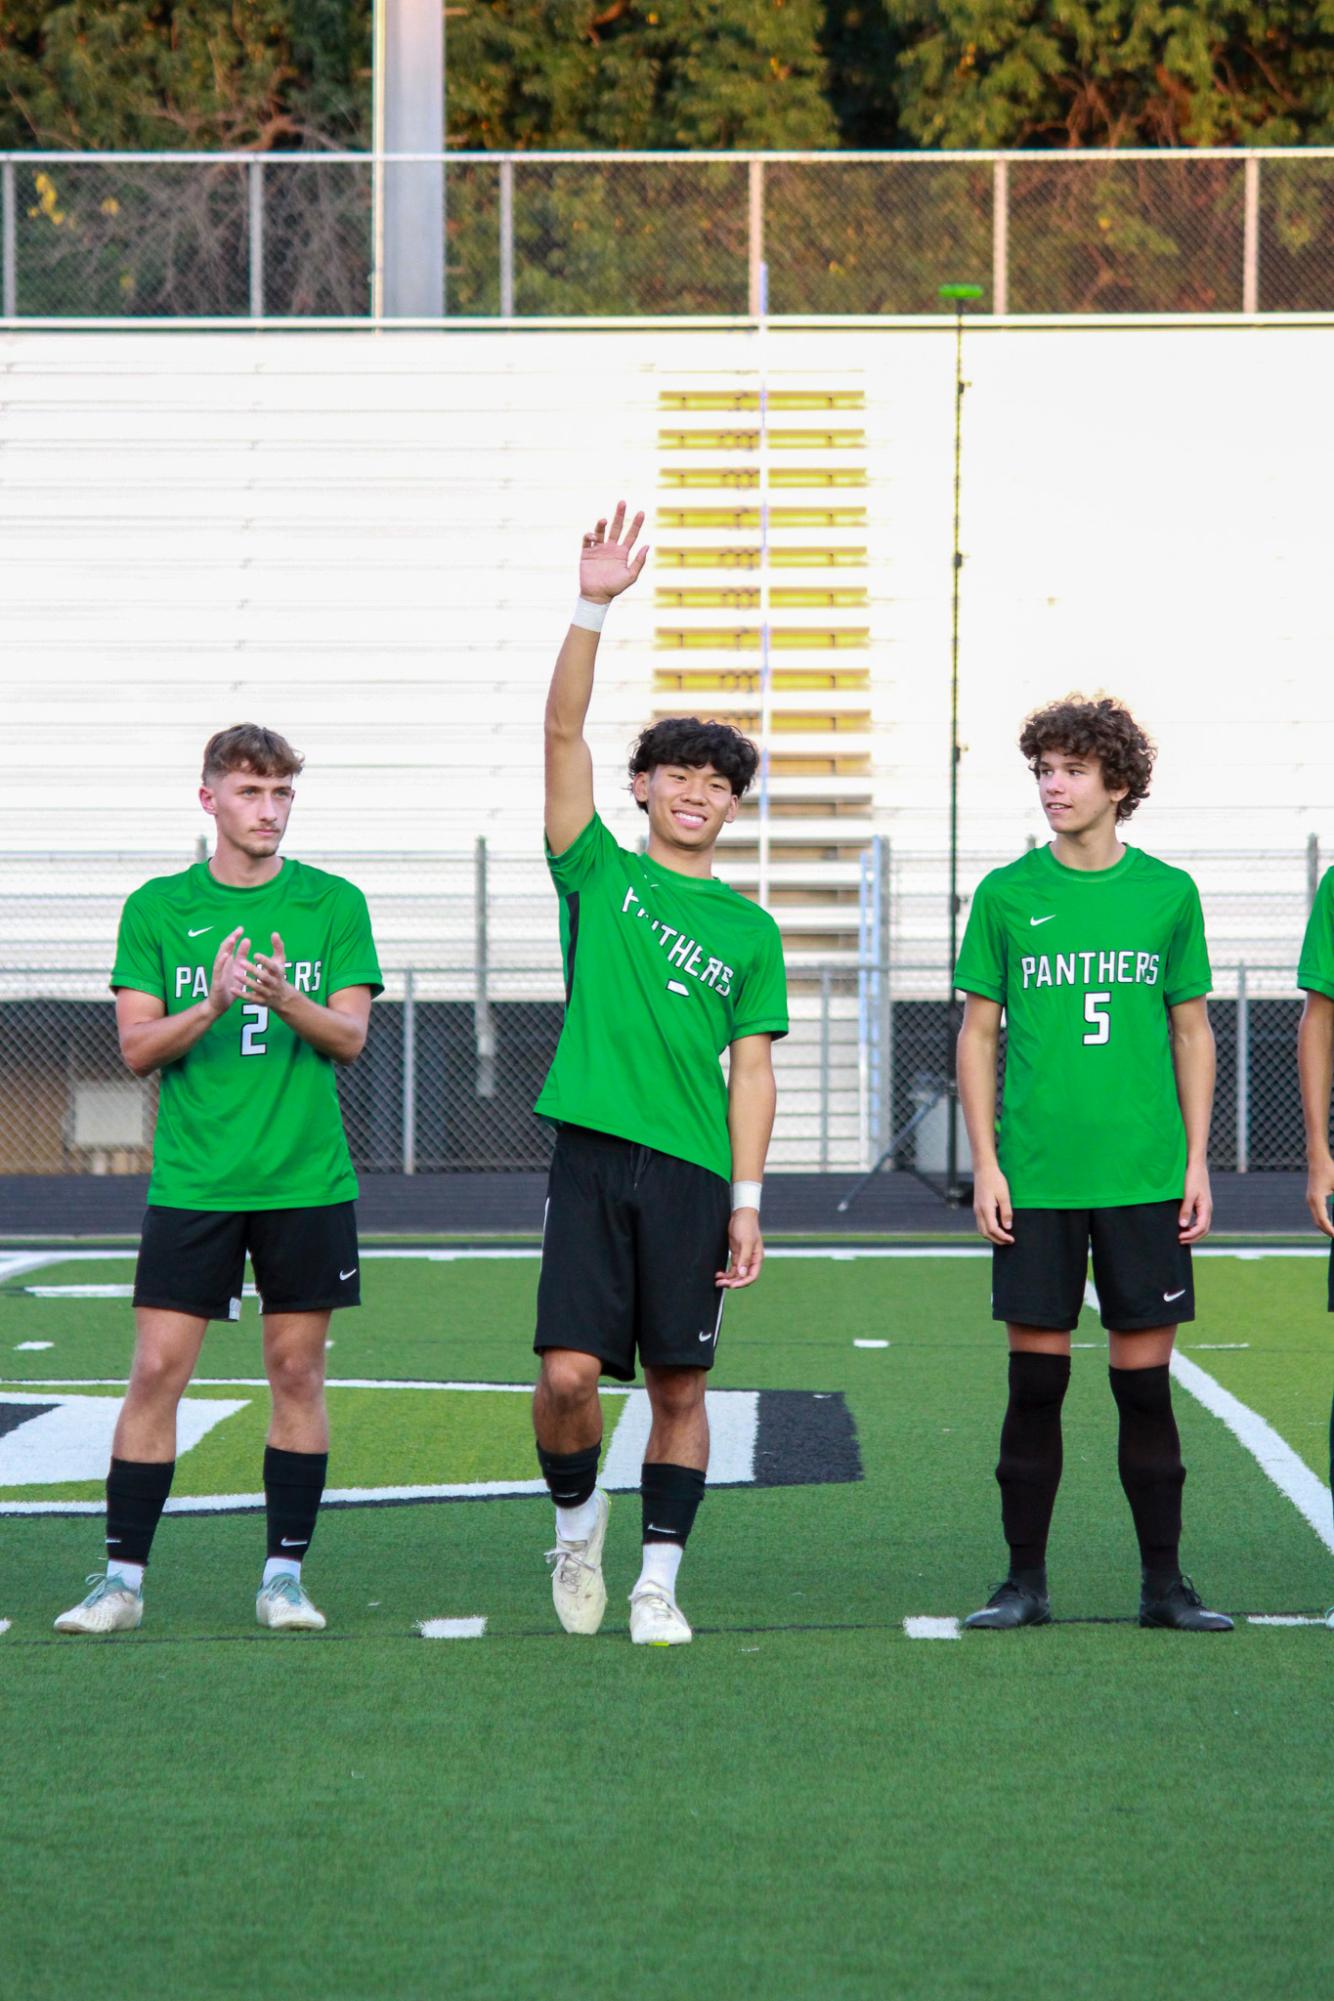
{"points": [[688, 806], [1074, 797], [251, 810]]}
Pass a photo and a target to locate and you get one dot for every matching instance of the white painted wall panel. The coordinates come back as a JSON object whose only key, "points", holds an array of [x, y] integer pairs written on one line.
{"points": [[368, 541]]}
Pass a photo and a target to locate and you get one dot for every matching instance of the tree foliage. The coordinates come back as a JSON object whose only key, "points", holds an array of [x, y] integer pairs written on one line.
{"points": [[1061, 73], [538, 75]]}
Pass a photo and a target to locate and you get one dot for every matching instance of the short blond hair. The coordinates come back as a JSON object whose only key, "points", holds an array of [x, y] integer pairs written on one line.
{"points": [[249, 747]]}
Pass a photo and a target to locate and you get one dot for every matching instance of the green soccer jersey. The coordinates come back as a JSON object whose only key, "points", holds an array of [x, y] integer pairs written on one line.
{"points": [[662, 972], [249, 1117], [1315, 969], [1086, 964]]}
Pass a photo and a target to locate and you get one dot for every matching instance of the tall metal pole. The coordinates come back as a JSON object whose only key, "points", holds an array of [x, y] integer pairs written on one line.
{"points": [[957, 294]]}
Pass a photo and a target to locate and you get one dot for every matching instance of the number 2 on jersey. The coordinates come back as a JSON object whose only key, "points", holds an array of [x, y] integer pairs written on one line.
{"points": [[251, 1031], [1095, 1011]]}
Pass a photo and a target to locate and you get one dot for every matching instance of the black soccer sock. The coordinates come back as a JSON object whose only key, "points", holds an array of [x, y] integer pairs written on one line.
{"points": [[571, 1476], [1029, 1471], [293, 1484], [137, 1491], [671, 1496], [1149, 1461]]}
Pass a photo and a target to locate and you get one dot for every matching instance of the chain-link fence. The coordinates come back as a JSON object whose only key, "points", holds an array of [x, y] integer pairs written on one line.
{"points": [[294, 235], [473, 1001]]}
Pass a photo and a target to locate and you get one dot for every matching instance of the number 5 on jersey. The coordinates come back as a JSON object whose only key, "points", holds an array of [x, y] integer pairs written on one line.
{"points": [[252, 1031], [1095, 1011]]}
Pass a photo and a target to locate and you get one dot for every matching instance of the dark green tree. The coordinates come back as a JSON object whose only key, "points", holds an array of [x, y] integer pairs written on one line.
{"points": [[978, 73]]}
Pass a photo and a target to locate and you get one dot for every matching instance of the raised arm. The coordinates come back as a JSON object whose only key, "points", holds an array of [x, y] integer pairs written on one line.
{"points": [[607, 566]]}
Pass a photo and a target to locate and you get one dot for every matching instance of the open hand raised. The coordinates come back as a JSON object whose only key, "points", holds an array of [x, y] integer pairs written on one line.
{"points": [[607, 564]]}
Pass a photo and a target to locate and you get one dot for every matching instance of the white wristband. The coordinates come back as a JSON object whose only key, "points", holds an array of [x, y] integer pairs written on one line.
{"points": [[588, 615], [746, 1194]]}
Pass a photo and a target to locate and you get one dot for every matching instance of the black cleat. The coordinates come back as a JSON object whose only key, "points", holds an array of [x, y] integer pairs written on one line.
{"points": [[1175, 1602], [1011, 1604]]}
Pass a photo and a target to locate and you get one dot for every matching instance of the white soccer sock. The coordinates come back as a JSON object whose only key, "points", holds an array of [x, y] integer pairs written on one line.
{"points": [[280, 1566], [662, 1560], [133, 1573], [577, 1524]]}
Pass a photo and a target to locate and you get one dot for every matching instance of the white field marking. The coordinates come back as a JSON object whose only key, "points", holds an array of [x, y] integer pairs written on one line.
{"points": [[870, 1344], [331, 1383], [1086, 1344], [4, 1625], [1282, 1619], [451, 1629], [1197, 1347], [734, 1417], [1290, 1474], [30, 1347], [931, 1629], [12, 1263], [73, 1441]]}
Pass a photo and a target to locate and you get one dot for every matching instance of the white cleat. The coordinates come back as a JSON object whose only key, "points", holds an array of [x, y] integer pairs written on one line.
{"points": [[656, 1620], [1329, 1618], [577, 1589], [283, 1606], [112, 1606]]}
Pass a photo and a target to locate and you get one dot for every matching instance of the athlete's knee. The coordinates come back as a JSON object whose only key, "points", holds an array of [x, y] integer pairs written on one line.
{"points": [[675, 1392], [295, 1376], [159, 1375], [568, 1377]]}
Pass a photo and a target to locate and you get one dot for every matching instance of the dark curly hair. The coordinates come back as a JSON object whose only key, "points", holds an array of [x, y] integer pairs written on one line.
{"points": [[686, 740], [1104, 729]]}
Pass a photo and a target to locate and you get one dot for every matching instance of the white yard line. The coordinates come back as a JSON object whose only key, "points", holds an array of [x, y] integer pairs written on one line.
{"points": [[451, 1629], [1290, 1474]]}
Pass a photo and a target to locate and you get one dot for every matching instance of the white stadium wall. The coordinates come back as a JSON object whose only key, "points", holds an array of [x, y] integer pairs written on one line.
{"points": [[368, 541]]}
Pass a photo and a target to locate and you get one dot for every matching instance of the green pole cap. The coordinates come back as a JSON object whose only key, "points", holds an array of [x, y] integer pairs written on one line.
{"points": [[960, 292]]}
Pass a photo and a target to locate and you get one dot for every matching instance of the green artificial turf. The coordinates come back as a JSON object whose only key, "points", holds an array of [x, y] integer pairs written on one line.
{"points": [[805, 1802]]}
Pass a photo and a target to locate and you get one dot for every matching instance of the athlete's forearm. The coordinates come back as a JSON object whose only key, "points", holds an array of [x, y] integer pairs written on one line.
{"points": [[147, 1046], [977, 1092], [752, 1098], [571, 688], [1315, 1069], [327, 1029], [1193, 1062]]}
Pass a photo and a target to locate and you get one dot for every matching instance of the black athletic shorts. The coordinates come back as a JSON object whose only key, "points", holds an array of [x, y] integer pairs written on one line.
{"points": [[193, 1260], [1141, 1273], [631, 1246]]}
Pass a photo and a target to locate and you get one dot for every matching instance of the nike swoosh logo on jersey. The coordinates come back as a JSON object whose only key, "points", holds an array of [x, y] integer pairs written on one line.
{"points": [[200, 932], [1041, 920], [1170, 1296], [347, 1274]]}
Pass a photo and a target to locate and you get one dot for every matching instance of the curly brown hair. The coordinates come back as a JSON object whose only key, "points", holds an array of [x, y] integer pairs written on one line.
{"points": [[1104, 729]]}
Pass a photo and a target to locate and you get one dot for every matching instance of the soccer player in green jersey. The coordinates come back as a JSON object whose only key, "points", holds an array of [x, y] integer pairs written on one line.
{"points": [[249, 1156], [1095, 952], [1315, 1067], [655, 1181]]}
